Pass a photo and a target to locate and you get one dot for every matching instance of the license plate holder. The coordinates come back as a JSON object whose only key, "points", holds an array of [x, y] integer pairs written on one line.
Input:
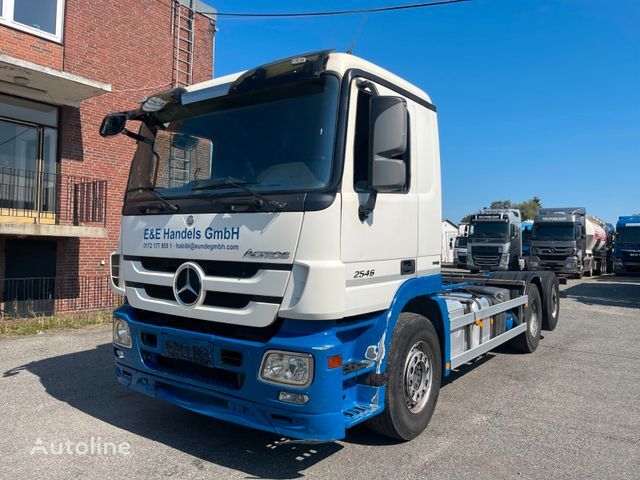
{"points": [[200, 353]]}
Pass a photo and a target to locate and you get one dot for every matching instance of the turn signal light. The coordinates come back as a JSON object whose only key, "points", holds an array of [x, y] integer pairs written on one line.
{"points": [[335, 361]]}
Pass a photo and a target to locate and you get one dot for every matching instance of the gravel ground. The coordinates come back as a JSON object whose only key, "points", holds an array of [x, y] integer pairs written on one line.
{"points": [[570, 410]]}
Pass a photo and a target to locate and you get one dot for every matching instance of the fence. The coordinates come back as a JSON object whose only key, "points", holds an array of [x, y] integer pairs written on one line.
{"points": [[30, 297], [52, 197]]}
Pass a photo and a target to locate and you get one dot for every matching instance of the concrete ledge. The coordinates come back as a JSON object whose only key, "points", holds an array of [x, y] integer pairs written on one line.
{"points": [[41, 230]]}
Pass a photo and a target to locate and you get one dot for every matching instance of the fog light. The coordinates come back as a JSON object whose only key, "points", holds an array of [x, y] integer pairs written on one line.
{"points": [[287, 368], [119, 353], [290, 397], [121, 333]]}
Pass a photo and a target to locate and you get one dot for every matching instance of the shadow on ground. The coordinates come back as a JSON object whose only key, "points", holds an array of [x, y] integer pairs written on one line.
{"points": [[607, 290], [93, 390]]}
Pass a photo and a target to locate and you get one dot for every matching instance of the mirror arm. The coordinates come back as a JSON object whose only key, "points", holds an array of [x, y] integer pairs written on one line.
{"points": [[365, 210], [136, 136]]}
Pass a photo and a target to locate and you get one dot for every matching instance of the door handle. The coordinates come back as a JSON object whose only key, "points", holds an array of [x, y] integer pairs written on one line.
{"points": [[407, 267]]}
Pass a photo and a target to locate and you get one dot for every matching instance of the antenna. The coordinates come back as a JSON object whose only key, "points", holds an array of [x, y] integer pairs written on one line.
{"points": [[357, 35]]}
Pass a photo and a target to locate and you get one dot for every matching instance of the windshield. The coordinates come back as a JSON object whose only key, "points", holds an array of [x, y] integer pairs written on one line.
{"points": [[461, 242], [274, 139], [526, 236], [629, 235], [489, 229], [554, 231]]}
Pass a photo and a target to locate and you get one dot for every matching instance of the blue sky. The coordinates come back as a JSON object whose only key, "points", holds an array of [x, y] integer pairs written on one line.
{"points": [[534, 97]]}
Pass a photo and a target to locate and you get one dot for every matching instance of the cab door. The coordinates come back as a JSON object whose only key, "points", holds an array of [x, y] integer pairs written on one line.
{"points": [[380, 251]]}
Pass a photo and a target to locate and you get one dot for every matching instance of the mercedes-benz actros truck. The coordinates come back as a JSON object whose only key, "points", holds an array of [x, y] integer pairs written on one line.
{"points": [[627, 245], [495, 240], [280, 254], [568, 241]]}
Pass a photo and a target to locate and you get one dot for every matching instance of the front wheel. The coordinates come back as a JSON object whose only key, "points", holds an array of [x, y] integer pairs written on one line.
{"points": [[414, 368]]}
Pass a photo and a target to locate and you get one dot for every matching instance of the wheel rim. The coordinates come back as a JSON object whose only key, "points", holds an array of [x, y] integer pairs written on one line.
{"points": [[533, 320], [554, 303], [418, 377]]}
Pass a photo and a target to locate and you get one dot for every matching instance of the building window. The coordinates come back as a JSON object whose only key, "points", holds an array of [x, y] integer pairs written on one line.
{"points": [[28, 155], [40, 17]]}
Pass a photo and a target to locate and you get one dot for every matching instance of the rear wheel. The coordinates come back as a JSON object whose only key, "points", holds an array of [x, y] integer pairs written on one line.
{"points": [[551, 302], [414, 370], [590, 271], [527, 342]]}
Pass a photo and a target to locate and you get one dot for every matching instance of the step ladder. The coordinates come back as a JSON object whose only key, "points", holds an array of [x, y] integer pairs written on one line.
{"points": [[183, 31]]}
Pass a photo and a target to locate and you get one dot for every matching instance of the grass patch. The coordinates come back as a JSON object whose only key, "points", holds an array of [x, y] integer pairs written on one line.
{"points": [[33, 326]]}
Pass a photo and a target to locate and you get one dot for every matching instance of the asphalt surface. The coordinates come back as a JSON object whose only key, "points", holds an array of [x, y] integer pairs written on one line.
{"points": [[570, 410]]}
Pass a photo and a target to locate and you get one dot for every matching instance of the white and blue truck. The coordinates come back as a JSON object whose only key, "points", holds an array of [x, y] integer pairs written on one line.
{"points": [[280, 254]]}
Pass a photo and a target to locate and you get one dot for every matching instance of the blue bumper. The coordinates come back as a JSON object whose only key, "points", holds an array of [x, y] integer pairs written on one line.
{"points": [[229, 388]]}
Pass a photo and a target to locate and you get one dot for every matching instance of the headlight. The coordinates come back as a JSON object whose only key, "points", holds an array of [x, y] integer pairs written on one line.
{"points": [[121, 333], [287, 368]]}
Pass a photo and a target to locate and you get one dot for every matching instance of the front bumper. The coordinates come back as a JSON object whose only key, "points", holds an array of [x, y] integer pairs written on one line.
{"points": [[568, 265], [626, 267], [232, 391]]}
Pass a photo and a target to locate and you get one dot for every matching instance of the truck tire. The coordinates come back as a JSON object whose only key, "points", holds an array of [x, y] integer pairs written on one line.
{"points": [[527, 342], [414, 369], [550, 300], [589, 273]]}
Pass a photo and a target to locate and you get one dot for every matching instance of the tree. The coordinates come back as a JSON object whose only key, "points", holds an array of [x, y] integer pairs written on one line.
{"points": [[528, 208]]}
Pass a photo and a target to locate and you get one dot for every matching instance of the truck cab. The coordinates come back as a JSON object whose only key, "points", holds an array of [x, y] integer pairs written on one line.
{"points": [[567, 241], [627, 245], [495, 240], [280, 254]]}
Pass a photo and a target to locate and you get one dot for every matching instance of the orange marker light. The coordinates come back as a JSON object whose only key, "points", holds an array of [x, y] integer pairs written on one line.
{"points": [[335, 361]]}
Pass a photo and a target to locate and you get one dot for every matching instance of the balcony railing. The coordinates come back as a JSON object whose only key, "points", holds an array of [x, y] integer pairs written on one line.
{"points": [[52, 198], [38, 296]]}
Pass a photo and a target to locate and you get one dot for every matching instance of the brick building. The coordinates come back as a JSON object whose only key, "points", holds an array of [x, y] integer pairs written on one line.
{"points": [[64, 64]]}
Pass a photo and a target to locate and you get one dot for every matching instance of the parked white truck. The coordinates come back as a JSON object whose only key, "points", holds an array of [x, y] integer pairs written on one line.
{"points": [[495, 240], [280, 254]]}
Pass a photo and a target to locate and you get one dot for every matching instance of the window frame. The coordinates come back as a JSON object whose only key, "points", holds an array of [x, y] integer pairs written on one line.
{"points": [[7, 19]]}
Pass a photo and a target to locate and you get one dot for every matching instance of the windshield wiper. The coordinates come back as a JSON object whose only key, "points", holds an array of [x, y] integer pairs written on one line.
{"points": [[166, 203], [260, 200]]}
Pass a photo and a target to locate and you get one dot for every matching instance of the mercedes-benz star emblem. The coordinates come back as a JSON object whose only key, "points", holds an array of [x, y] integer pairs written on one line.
{"points": [[189, 220], [187, 285]]}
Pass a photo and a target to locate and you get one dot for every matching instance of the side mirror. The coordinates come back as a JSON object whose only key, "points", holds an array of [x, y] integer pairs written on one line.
{"points": [[113, 124], [388, 126]]}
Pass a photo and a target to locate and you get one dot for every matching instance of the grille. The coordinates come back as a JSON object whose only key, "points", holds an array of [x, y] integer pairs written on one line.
{"points": [[557, 258], [486, 260], [632, 256], [483, 250], [230, 287], [555, 251], [211, 267], [181, 368], [240, 332]]}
